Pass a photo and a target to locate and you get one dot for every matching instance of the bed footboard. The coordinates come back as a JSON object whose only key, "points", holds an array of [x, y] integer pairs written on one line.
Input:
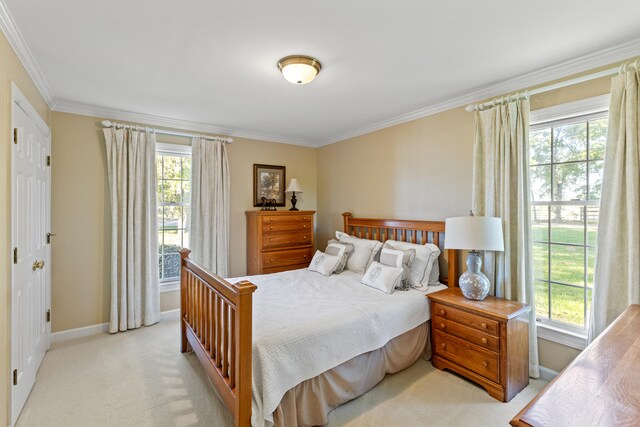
{"points": [[215, 322]]}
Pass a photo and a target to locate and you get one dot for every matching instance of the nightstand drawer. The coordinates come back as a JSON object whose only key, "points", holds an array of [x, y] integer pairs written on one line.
{"points": [[275, 219], [475, 336], [292, 238], [467, 319], [471, 356], [289, 257]]}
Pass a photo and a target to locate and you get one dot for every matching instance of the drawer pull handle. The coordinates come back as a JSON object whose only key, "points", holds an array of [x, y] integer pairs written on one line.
{"points": [[270, 219], [271, 227], [304, 237], [271, 239], [304, 226], [484, 340], [442, 312], [484, 363], [442, 325], [443, 345], [305, 257], [484, 326], [271, 260], [304, 218]]}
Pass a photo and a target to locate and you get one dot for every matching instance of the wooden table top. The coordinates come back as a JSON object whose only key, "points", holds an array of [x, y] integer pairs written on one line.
{"points": [[601, 387], [498, 308]]}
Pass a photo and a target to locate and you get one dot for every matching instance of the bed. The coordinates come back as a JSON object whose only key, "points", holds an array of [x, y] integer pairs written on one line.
{"points": [[281, 364]]}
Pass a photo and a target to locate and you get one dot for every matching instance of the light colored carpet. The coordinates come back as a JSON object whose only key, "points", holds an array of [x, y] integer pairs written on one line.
{"points": [[139, 378]]}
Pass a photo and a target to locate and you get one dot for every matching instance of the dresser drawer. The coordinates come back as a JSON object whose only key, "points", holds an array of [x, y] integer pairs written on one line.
{"points": [[471, 320], [289, 257], [275, 219], [293, 238], [284, 268], [277, 227], [475, 336], [471, 356]]}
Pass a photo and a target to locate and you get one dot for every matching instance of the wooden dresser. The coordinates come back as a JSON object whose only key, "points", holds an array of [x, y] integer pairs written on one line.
{"points": [[601, 387], [278, 240], [485, 341]]}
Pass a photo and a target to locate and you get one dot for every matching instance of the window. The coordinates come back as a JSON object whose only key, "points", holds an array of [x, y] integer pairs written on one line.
{"points": [[566, 160], [173, 171]]}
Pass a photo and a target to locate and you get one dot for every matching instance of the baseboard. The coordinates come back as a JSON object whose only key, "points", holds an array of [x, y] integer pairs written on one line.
{"points": [[547, 374], [86, 331], [102, 328]]}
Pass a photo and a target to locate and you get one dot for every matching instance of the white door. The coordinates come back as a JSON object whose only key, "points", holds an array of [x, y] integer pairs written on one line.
{"points": [[30, 273]]}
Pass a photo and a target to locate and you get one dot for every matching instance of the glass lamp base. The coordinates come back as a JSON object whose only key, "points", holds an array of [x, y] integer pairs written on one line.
{"points": [[473, 284]]}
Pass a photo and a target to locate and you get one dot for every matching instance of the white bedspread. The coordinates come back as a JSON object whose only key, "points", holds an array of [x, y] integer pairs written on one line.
{"points": [[305, 324]]}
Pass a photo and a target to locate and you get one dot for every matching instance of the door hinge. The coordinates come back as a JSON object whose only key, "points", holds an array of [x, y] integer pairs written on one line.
{"points": [[15, 135], [15, 377], [48, 315], [15, 255], [48, 160]]}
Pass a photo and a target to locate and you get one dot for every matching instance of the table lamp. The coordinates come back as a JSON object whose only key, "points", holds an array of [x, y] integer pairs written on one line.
{"points": [[294, 186], [475, 234]]}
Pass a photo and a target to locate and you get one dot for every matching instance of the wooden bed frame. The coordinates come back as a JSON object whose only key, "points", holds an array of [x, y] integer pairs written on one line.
{"points": [[216, 320]]}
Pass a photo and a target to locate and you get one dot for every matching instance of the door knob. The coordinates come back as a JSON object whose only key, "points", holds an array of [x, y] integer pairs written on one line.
{"points": [[37, 265]]}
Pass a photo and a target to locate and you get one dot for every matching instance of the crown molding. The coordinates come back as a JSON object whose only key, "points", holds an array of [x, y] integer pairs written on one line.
{"points": [[171, 123], [21, 49], [564, 69]]}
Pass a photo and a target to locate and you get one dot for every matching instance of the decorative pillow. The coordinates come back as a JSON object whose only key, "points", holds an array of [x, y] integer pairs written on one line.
{"points": [[349, 248], [324, 263], [392, 257], [420, 274], [363, 254], [382, 277]]}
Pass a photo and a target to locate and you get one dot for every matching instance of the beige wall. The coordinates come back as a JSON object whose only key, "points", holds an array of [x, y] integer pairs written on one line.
{"points": [[80, 213], [420, 169], [11, 70]]}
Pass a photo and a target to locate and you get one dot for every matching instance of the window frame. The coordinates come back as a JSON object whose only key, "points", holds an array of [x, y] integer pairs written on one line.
{"points": [[180, 150], [587, 109]]}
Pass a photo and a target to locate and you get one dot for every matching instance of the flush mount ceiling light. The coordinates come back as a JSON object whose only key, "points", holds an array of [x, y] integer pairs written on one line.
{"points": [[299, 69]]}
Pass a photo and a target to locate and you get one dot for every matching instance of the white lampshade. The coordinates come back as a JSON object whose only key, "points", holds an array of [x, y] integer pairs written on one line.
{"points": [[294, 185], [480, 233]]}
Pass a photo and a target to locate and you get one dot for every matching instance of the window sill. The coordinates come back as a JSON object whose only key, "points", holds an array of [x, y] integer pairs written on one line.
{"points": [[562, 336], [169, 286]]}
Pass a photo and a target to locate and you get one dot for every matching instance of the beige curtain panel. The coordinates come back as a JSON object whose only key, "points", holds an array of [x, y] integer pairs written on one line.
{"points": [[501, 189], [209, 223], [617, 268], [135, 298]]}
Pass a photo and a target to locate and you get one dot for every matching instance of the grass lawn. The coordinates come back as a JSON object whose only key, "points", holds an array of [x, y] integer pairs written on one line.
{"points": [[567, 266]]}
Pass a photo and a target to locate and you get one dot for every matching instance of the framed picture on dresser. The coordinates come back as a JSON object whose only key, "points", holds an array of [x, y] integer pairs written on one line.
{"points": [[269, 182]]}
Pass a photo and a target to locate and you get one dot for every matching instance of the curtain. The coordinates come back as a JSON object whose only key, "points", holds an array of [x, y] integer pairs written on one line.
{"points": [[135, 298], [501, 189], [617, 266], [209, 223]]}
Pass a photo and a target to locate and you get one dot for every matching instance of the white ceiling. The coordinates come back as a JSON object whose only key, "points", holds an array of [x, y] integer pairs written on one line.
{"points": [[214, 62]]}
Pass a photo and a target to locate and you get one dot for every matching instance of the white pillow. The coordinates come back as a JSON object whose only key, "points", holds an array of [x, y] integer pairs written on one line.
{"points": [[382, 277], [348, 250], [398, 258], [323, 263], [422, 265], [363, 254]]}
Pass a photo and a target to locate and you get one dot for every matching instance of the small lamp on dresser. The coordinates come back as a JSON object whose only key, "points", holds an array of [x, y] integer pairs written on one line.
{"points": [[294, 186], [475, 234]]}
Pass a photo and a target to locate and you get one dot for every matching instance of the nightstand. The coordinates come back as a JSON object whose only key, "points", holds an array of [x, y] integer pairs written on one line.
{"points": [[485, 341]]}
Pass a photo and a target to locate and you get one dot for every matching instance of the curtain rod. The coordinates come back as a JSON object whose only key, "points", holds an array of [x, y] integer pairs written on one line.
{"points": [[108, 124], [526, 94]]}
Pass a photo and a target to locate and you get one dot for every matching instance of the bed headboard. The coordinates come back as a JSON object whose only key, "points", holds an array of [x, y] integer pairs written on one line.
{"points": [[414, 231]]}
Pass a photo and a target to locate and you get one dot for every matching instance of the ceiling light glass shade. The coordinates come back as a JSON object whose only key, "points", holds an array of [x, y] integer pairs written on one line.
{"points": [[299, 69]]}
